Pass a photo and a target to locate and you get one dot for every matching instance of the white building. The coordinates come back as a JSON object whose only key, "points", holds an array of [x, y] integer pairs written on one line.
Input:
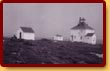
{"points": [[26, 33], [83, 33], [58, 38]]}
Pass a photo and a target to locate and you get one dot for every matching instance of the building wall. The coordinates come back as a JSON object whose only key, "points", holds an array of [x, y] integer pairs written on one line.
{"points": [[90, 40], [94, 39], [79, 36], [58, 38], [26, 36], [29, 36]]}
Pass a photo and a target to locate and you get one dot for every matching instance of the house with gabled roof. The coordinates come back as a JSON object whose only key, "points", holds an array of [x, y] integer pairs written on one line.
{"points": [[26, 33], [82, 32]]}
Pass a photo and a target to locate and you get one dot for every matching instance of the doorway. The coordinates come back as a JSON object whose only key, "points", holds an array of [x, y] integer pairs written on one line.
{"points": [[20, 35], [72, 37]]}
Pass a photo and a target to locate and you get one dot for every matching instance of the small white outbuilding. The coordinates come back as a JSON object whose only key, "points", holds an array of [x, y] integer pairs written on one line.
{"points": [[58, 38], [26, 33], [83, 33]]}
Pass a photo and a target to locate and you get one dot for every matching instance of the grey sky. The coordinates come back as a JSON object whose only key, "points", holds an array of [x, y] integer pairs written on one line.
{"points": [[49, 19]]}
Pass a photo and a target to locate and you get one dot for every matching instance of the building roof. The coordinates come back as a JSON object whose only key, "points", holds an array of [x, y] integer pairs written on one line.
{"points": [[82, 25], [59, 35], [27, 29], [90, 34]]}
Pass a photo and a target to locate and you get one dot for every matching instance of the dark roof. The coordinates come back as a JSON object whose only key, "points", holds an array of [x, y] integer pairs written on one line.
{"points": [[27, 29], [59, 35], [90, 34], [82, 25]]}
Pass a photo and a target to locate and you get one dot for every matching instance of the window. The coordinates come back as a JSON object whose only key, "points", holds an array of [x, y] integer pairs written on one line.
{"points": [[73, 37], [81, 37]]}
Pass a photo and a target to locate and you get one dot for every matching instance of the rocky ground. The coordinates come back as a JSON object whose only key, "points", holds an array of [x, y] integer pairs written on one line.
{"points": [[49, 52]]}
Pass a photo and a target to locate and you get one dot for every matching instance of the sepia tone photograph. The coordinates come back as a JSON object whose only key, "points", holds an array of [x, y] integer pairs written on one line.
{"points": [[53, 33]]}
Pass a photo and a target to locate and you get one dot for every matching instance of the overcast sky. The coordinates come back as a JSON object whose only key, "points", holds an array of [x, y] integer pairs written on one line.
{"points": [[49, 19]]}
